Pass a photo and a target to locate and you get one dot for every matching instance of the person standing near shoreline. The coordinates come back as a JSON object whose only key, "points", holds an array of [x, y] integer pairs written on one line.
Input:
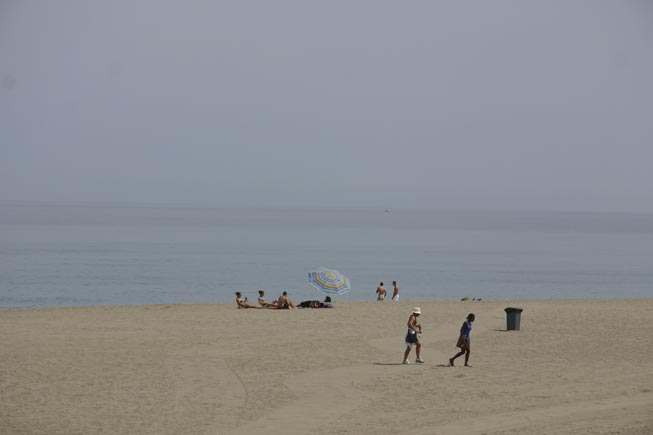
{"points": [[380, 292], [412, 336], [463, 340], [395, 291]]}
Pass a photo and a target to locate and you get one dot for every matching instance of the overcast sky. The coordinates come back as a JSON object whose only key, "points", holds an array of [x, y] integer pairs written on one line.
{"points": [[475, 104]]}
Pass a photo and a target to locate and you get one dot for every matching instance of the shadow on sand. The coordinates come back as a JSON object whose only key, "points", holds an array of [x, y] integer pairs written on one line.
{"points": [[411, 364]]}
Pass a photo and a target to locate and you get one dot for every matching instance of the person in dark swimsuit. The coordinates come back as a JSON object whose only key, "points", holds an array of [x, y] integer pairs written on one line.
{"points": [[316, 304], [310, 304]]}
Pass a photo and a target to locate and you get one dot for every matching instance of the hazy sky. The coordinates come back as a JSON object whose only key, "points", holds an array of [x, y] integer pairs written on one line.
{"points": [[474, 104]]}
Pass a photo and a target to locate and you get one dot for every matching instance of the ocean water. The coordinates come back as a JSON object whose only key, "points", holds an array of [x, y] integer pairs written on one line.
{"points": [[74, 255]]}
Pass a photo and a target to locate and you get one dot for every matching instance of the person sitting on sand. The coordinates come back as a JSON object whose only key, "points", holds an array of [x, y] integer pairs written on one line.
{"points": [[262, 302], [283, 302], [327, 302], [380, 292], [242, 303], [463, 340], [412, 336]]}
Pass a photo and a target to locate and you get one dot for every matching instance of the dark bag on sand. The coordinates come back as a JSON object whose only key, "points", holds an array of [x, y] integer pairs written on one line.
{"points": [[411, 337]]}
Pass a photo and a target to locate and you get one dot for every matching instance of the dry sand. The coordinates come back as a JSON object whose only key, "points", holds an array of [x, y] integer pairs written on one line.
{"points": [[576, 367]]}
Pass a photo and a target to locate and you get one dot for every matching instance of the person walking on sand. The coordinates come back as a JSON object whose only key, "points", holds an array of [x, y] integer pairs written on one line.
{"points": [[395, 291], [463, 340], [412, 336], [380, 292]]}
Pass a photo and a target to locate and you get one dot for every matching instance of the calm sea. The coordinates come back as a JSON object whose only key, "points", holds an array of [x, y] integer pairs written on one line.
{"points": [[95, 255]]}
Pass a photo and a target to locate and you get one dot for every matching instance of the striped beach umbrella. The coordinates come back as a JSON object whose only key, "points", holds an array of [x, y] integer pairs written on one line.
{"points": [[329, 281]]}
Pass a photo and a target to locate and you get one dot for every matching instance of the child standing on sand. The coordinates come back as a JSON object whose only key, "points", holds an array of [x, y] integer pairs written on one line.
{"points": [[463, 340]]}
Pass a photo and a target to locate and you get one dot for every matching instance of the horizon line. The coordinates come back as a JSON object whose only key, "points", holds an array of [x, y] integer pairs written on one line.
{"points": [[181, 205]]}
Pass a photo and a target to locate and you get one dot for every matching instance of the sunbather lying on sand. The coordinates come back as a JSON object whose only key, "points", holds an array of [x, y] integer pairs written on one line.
{"points": [[311, 304], [316, 304]]}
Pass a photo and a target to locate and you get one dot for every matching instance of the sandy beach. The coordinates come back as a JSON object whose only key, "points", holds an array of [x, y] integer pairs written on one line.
{"points": [[575, 367]]}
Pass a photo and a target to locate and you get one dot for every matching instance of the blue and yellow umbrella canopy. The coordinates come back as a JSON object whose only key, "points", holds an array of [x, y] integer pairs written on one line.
{"points": [[329, 281]]}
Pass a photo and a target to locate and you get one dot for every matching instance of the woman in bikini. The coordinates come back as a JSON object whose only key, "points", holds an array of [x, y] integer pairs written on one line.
{"points": [[242, 303], [262, 302]]}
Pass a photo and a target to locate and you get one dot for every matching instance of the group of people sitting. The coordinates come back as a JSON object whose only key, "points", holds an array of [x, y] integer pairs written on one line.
{"points": [[282, 303]]}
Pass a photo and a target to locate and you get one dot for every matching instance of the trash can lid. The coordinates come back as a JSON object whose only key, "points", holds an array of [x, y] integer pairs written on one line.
{"points": [[512, 310]]}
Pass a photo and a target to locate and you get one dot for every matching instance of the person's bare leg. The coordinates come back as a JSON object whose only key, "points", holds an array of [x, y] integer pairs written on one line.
{"points": [[417, 349], [451, 360], [406, 353], [467, 358]]}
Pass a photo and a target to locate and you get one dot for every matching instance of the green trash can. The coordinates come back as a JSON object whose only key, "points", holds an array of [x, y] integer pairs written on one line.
{"points": [[514, 317]]}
